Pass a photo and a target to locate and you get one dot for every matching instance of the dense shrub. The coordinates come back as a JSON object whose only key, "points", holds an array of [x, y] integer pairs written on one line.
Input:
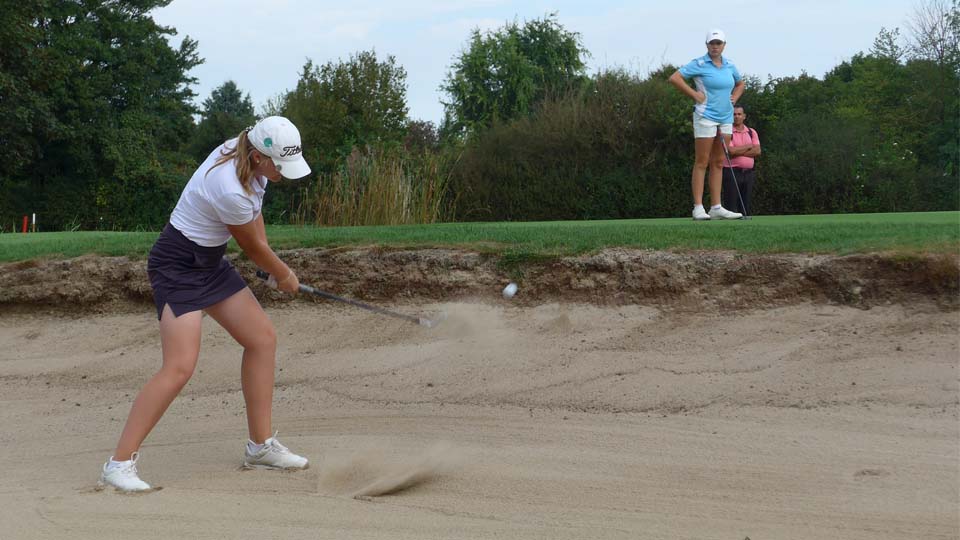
{"points": [[623, 149], [614, 150]]}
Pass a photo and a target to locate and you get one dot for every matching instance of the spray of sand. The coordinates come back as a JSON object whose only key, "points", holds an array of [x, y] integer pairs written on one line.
{"points": [[374, 472]]}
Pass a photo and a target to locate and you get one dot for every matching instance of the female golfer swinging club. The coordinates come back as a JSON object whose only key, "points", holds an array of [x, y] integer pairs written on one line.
{"points": [[189, 276], [719, 86]]}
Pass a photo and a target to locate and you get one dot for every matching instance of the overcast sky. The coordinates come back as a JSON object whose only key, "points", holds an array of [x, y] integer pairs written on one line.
{"points": [[262, 45]]}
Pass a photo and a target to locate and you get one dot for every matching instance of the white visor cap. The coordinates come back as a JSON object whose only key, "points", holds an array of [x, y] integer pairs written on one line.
{"points": [[715, 35], [278, 138]]}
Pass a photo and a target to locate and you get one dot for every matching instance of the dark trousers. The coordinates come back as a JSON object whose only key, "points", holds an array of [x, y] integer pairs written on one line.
{"points": [[745, 181]]}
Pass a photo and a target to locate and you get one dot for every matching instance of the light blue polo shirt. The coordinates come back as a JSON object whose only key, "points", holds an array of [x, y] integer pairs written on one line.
{"points": [[716, 83]]}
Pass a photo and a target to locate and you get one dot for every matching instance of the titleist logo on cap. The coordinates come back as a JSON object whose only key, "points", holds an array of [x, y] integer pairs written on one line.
{"points": [[290, 151]]}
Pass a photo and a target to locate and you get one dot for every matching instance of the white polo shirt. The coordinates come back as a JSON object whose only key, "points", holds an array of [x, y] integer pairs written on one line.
{"points": [[213, 199]]}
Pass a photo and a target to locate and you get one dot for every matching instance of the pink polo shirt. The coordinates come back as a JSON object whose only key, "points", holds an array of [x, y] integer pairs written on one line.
{"points": [[743, 138]]}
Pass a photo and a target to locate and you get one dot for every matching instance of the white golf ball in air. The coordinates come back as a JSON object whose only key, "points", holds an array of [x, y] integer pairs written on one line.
{"points": [[510, 290]]}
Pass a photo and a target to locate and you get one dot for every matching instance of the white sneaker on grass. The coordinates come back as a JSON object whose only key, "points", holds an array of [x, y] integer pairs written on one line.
{"points": [[122, 475], [272, 455], [699, 214], [723, 213]]}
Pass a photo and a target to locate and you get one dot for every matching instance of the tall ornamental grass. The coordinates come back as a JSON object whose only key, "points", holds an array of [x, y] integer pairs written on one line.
{"points": [[376, 187]]}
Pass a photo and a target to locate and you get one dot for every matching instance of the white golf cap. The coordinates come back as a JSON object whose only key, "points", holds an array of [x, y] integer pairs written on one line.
{"points": [[278, 138], [716, 34]]}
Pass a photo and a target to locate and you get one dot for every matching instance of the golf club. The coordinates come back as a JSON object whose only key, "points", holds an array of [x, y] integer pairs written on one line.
{"points": [[429, 323], [726, 154]]}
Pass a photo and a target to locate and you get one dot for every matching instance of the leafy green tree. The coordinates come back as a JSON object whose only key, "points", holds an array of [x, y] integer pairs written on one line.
{"points": [[337, 107], [343, 104], [503, 75], [227, 98], [30, 81], [421, 135], [225, 113], [934, 62], [886, 45], [274, 106], [101, 108], [935, 32]]}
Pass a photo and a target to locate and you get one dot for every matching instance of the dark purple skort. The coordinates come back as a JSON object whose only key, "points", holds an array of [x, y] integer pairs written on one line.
{"points": [[188, 276]]}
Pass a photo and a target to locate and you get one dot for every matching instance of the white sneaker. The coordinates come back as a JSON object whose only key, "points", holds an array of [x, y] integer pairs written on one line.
{"points": [[699, 214], [123, 475], [723, 213], [273, 455]]}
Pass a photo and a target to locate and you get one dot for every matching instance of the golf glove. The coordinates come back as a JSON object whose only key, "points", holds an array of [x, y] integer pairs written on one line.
{"points": [[272, 282]]}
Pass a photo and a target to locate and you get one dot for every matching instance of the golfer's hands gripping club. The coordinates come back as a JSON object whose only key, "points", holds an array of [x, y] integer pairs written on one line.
{"points": [[289, 284]]}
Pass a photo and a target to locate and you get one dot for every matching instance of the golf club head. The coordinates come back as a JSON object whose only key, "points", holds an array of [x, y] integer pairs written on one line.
{"points": [[746, 217], [431, 323]]}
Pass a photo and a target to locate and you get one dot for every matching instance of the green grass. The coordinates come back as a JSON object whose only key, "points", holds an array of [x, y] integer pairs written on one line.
{"points": [[907, 233]]}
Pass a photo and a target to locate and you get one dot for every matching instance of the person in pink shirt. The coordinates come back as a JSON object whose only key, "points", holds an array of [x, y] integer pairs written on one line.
{"points": [[744, 147]]}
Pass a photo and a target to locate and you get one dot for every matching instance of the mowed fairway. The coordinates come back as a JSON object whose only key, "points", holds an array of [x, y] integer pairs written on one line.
{"points": [[843, 233]]}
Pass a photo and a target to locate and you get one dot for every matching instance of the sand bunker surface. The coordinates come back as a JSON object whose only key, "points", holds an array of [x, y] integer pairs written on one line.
{"points": [[510, 420]]}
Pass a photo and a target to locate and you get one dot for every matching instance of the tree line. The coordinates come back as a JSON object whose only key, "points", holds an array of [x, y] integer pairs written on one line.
{"points": [[101, 132]]}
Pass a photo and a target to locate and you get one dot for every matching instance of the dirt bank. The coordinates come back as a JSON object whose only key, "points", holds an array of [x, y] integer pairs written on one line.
{"points": [[684, 281]]}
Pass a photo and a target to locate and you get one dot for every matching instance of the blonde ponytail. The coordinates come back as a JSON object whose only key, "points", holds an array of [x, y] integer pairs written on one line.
{"points": [[242, 154]]}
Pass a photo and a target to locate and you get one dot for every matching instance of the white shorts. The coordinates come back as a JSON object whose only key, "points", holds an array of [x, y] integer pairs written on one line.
{"points": [[704, 128]]}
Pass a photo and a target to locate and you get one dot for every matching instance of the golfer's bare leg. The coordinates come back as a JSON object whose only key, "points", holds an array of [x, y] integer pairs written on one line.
{"points": [[180, 341], [703, 148], [716, 168], [242, 316]]}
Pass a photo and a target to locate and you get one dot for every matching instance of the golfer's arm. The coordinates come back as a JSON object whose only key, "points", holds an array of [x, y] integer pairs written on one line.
{"points": [[677, 80], [252, 239], [737, 91]]}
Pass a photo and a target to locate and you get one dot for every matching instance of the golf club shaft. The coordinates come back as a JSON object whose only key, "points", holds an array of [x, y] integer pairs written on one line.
{"points": [[726, 154], [330, 296]]}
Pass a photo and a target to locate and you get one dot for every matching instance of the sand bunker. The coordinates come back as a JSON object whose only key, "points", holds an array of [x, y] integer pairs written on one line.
{"points": [[560, 420]]}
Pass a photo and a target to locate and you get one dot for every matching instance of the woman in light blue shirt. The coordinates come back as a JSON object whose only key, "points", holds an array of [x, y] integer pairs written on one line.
{"points": [[718, 86]]}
